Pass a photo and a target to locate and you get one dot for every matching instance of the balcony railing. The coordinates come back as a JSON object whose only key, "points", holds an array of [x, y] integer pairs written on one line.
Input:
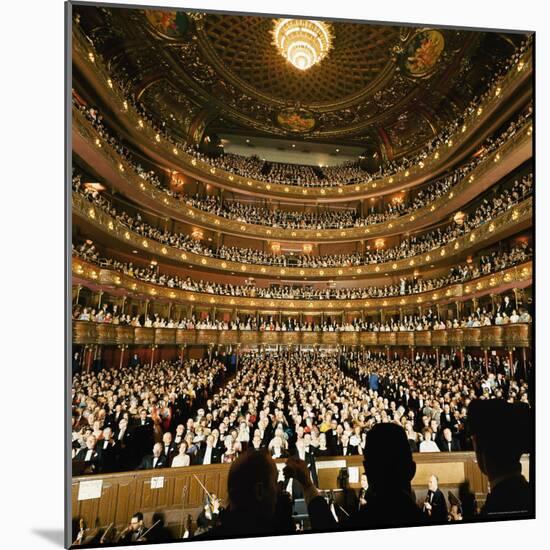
{"points": [[517, 276], [132, 121], [519, 215], [521, 143], [510, 336]]}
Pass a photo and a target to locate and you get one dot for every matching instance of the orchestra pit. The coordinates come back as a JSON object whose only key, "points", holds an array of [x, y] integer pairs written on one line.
{"points": [[315, 255]]}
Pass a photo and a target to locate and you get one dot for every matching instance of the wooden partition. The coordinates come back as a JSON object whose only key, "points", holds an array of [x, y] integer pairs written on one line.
{"points": [[179, 492], [516, 335]]}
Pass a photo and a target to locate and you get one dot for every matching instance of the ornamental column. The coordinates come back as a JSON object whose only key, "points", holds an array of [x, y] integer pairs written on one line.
{"points": [[78, 289]]}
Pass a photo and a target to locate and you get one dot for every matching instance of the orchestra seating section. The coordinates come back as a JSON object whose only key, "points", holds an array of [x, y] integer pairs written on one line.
{"points": [[222, 294]]}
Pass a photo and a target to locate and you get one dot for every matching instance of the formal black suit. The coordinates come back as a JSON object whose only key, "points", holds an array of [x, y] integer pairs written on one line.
{"points": [[413, 403], [349, 450], [142, 437], [147, 463], [112, 419], [108, 455], [438, 512], [447, 421], [332, 442], [92, 465], [169, 451], [449, 446], [215, 457]]}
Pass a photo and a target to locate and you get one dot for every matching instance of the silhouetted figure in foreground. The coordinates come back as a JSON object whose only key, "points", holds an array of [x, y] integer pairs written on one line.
{"points": [[467, 499], [257, 506], [390, 468], [500, 433]]}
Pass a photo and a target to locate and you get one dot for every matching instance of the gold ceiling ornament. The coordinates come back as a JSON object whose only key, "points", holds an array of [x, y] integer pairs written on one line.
{"points": [[303, 42]]}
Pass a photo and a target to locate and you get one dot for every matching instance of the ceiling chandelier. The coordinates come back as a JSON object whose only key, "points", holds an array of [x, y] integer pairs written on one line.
{"points": [[303, 42]]}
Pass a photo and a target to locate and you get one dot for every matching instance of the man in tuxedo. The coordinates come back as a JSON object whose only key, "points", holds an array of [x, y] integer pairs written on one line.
{"points": [[333, 437], [124, 446], [179, 434], [345, 449], [114, 417], [507, 306], [449, 443], [208, 454], [501, 433], [502, 383], [363, 493], [436, 432], [142, 434], [107, 449], [169, 449], [413, 403], [306, 452], [435, 507], [89, 457], [155, 460], [447, 419]]}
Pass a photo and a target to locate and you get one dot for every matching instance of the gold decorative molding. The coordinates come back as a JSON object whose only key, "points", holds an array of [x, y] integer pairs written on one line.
{"points": [[169, 206], [518, 335], [141, 130], [519, 214], [520, 275]]}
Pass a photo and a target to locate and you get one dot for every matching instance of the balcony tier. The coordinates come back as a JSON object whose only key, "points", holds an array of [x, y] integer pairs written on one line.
{"points": [[515, 219], [122, 177], [92, 276], [511, 93]]}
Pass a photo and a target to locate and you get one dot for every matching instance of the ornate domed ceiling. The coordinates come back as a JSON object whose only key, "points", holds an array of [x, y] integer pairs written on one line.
{"points": [[357, 62], [385, 88]]}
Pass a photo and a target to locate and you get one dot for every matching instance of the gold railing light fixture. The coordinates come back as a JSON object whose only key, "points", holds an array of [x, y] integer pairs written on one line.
{"points": [[303, 42]]}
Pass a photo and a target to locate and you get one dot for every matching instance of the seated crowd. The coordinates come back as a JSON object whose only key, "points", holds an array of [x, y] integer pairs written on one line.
{"points": [[314, 405], [486, 265], [326, 219], [409, 246], [502, 314]]}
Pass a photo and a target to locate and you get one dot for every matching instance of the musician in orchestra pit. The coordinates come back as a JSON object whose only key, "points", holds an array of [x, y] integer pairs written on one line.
{"points": [[363, 493], [135, 530], [435, 507], [208, 518]]}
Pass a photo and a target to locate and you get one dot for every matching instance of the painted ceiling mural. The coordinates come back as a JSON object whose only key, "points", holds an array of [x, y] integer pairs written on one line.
{"points": [[404, 82]]}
